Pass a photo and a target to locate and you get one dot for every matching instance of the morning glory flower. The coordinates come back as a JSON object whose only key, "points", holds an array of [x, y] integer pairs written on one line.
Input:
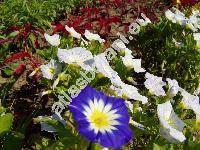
{"points": [[101, 119], [73, 32], [133, 63], [78, 56], [170, 16], [171, 125], [91, 36], [190, 101], [51, 69], [127, 90], [197, 39], [154, 84], [177, 17], [194, 19], [54, 40], [173, 87], [103, 66]]}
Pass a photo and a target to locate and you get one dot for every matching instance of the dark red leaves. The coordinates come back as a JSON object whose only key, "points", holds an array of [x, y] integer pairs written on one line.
{"points": [[20, 68], [17, 56]]}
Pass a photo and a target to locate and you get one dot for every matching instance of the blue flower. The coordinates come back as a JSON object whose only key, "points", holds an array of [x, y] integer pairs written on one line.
{"points": [[101, 119]]}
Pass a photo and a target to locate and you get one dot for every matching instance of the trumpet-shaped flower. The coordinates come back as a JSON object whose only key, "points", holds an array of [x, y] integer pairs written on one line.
{"points": [[101, 119], [154, 84], [51, 69], [170, 16], [197, 39], [133, 63], [91, 36], [177, 17], [194, 19], [190, 102], [54, 40], [171, 125], [173, 87], [78, 56], [127, 90], [103, 66], [73, 32]]}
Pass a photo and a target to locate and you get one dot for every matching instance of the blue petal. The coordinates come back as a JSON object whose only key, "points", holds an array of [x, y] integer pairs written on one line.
{"points": [[84, 129]]}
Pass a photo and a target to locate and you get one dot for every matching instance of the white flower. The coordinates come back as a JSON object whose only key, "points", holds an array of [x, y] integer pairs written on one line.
{"points": [[173, 87], [177, 17], [171, 125], [190, 102], [73, 32], [54, 40], [154, 84], [129, 91], [197, 39], [170, 15], [103, 66], [190, 25], [137, 125], [178, 44], [133, 63], [78, 56], [49, 128], [194, 19], [129, 105], [91, 36], [51, 69]]}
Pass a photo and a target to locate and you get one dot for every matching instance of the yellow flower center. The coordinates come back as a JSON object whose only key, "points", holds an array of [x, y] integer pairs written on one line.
{"points": [[99, 119], [52, 70]]}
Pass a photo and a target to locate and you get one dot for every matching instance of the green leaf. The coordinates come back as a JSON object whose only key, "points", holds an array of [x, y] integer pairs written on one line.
{"points": [[13, 141], [96, 147], [61, 130], [5, 123], [158, 147], [13, 34], [8, 71]]}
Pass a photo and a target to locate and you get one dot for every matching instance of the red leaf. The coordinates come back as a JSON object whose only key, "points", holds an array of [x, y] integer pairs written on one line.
{"points": [[17, 56], [20, 68]]}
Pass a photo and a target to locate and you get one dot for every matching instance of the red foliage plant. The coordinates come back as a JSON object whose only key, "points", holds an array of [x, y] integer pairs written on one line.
{"points": [[105, 17], [188, 2]]}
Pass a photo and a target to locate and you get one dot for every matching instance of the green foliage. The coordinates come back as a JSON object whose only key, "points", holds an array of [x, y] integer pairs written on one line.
{"points": [[162, 57], [5, 123], [39, 12]]}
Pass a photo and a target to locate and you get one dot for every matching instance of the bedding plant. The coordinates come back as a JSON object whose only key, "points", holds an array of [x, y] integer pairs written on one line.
{"points": [[142, 94]]}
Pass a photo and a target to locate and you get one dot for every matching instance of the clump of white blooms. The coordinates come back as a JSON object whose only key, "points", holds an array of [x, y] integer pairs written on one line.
{"points": [[171, 125]]}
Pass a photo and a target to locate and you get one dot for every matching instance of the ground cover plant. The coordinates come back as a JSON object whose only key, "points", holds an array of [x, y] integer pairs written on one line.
{"points": [[71, 88]]}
